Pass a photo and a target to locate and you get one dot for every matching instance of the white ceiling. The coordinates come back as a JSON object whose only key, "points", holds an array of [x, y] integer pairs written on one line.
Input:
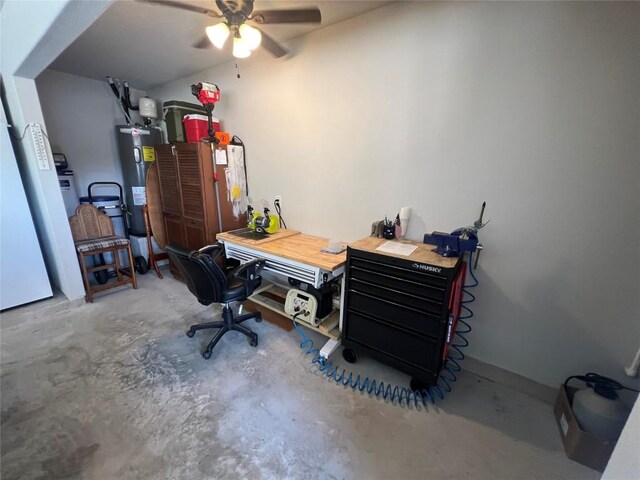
{"points": [[150, 45]]}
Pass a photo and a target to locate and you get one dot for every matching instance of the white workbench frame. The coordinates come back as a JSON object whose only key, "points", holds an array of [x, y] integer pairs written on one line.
{"points": [[290, 268]]}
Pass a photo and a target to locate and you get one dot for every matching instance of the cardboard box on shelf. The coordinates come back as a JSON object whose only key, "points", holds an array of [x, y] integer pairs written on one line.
{"points": [[580, 446]]}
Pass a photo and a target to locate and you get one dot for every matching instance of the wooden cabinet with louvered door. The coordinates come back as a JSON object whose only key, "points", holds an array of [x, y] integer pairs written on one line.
{"points": [[187, 188], [171, 198], [169, 182]]}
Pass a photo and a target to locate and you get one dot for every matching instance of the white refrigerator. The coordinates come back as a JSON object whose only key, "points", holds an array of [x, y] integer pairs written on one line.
{"points": [[23, 276]]}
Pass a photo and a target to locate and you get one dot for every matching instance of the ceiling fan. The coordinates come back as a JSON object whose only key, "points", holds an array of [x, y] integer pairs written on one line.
{"points": [[237, 15]]}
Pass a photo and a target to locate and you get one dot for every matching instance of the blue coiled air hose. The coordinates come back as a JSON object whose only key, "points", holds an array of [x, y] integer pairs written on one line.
{"points": [[395, 393]]}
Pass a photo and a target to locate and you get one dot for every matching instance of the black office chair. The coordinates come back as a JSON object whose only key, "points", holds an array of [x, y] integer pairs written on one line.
{"points": [[208, 282]]}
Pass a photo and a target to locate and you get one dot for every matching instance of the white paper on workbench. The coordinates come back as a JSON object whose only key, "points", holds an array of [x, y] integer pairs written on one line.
{"points": [[397, 248]]}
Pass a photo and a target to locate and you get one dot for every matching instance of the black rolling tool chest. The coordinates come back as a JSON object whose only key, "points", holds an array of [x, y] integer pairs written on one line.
{"points": [[397, 308]]}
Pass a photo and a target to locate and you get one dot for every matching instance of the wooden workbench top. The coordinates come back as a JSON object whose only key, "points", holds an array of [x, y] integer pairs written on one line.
{"points": [[251, 242], [294, 246], [422, 254]]}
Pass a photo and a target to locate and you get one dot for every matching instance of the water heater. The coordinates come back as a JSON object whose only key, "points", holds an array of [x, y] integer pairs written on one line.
{"points": [[136, 152]]}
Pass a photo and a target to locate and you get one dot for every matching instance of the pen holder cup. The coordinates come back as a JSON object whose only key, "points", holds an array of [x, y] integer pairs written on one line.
{"points": [[389, 232]]}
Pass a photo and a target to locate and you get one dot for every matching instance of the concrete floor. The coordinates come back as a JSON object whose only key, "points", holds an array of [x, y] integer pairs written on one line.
{"points": [[116, 390]]}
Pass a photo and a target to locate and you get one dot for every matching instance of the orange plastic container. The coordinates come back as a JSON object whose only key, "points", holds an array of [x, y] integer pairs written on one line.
{"points": [[224, 137]]}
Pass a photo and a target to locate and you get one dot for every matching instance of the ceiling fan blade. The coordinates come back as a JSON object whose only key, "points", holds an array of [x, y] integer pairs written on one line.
{"points": [[202, 43], [270, 45], [184, 6], [307, 15]]}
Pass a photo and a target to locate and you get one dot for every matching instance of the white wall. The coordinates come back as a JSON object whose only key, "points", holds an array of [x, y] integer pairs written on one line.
{"points": [[625, 461], [43, 191], [32, 35], [18, 43], [21, 262], [532, 107], [81, 114]]}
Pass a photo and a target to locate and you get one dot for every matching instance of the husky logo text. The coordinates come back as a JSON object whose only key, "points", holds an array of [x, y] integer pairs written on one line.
{"points": [[428, 268]]}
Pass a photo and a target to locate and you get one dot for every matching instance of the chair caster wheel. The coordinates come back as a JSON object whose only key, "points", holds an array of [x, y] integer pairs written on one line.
{"points": [[206, 354], [190, 333], [258, 318], [349, 355], [253, 342]]}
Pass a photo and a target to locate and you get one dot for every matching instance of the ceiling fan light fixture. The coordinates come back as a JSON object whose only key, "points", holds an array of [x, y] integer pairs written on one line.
{"points": [[251, 36], [240, 49], [218, 33]]}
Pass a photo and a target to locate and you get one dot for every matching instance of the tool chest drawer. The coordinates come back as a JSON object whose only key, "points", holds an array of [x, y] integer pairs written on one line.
{"points": [[396, 309], [395, 313], [402, 346], [391, 281], [397, 296], [399, 271]]}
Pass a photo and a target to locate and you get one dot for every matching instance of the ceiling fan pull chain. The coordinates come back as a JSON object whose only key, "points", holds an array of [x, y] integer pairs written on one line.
{"points": [[238, 70]]}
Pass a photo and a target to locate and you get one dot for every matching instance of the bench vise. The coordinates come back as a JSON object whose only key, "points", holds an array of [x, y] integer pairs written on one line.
{"points": [[452, 244], [459, 241]]}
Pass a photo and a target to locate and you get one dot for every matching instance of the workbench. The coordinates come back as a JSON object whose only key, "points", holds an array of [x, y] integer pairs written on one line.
{"points": [[289, 253]]}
